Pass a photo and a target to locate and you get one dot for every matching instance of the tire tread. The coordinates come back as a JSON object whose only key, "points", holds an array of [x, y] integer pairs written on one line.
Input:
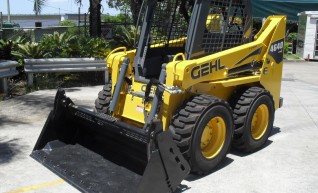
{"points": [[241, 103], [184, 122], [104, 98]]}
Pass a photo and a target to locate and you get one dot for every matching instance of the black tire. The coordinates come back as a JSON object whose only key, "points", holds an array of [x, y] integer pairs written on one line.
{"points": [[245, 103], [103, 100], [188, 125]]}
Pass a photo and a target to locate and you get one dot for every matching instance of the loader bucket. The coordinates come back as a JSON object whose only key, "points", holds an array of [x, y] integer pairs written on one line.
{"points": [[98, 153]]}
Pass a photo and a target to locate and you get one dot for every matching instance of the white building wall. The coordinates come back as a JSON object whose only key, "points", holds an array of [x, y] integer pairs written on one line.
{"points": [[309, 47], [308, 50], [28, 21]]}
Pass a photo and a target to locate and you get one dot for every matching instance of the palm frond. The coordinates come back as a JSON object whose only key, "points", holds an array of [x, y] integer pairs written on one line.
{"points": [[30, 50], [38, 5], [78, 2], [124, 36]]}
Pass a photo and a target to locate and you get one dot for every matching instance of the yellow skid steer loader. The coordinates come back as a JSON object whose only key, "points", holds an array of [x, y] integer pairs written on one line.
{"points": [[198, 82]]}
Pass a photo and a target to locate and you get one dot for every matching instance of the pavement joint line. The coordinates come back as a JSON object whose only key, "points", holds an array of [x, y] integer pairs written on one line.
{"points": [[20, 190]]}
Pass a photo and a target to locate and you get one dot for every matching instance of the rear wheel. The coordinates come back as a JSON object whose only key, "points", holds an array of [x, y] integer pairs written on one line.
{"points": [[103, 100], [203, 131], [253, 111]]}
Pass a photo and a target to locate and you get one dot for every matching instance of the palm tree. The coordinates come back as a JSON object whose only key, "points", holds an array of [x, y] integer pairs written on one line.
{"points": [[38, 4], [125, 36], [94, 17]]}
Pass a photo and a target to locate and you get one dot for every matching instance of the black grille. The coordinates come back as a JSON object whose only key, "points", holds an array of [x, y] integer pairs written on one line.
{"points": [[228, 25], [168, 24]]}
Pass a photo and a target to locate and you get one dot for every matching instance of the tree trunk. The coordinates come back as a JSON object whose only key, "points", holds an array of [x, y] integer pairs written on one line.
{"points": [[95, 18]]}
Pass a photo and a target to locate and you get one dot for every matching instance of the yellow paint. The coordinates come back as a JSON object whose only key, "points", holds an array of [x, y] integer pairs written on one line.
{"points": [[248, 33], [171, 102], [123, 49], [217, 82], [272, 30], [213, 138], [272, 80], [260, 122], [238, 81], [177, 56], [37, 186], [215, 89], [172, 43], [214, 23], [133, 108]]}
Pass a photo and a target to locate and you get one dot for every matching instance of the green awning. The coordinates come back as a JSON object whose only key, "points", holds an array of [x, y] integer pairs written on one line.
{"points": [[265, 8]]}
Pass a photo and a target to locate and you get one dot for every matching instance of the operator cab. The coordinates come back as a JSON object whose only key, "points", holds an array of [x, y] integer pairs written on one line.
{"points": [[218, 25]]}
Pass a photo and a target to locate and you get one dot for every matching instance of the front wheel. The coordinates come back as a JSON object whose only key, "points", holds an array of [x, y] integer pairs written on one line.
{"points": [[203, 131]]}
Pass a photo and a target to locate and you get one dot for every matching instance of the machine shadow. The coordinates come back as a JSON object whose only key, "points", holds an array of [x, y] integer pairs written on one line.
{"points": [[5, 120], [239, 153], [193, 177], [9, 149], [275, 131], [227, 161]]}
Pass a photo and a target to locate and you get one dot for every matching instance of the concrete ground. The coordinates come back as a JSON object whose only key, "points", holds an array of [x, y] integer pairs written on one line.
{"points": [[286, 164]]}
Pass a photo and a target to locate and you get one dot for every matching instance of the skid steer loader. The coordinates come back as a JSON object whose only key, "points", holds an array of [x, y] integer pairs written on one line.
{"points": [[198, 83]]}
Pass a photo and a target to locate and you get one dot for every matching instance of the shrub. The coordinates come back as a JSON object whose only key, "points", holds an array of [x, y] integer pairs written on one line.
{"points": [[124, 36], [94, 47], [60, 45], [69, 23], [30, 50], [54, 45], [120, 18], [73, 28], [292, 36], [66, 45], [5, 49]]}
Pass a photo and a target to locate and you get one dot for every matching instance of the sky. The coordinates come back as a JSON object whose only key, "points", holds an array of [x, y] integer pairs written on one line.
{"points": [[51, 7]]}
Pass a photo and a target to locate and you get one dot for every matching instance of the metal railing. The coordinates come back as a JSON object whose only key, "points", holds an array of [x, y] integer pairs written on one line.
{"points": [[62, 65], [7, 69]]}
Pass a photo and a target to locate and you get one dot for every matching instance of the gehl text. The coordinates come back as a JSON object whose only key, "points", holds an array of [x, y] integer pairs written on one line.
{"points": [[206, 69]]}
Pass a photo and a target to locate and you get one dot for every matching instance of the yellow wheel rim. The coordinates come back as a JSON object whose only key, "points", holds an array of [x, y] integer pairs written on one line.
{"points": [[259, 122], [213, 138]]}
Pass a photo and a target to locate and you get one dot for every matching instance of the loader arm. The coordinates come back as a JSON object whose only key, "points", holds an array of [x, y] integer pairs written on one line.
{"points": [[262, 58]]}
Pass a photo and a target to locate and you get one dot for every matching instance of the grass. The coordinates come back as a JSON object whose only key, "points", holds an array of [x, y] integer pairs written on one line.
{"points": [[291, 57]]}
